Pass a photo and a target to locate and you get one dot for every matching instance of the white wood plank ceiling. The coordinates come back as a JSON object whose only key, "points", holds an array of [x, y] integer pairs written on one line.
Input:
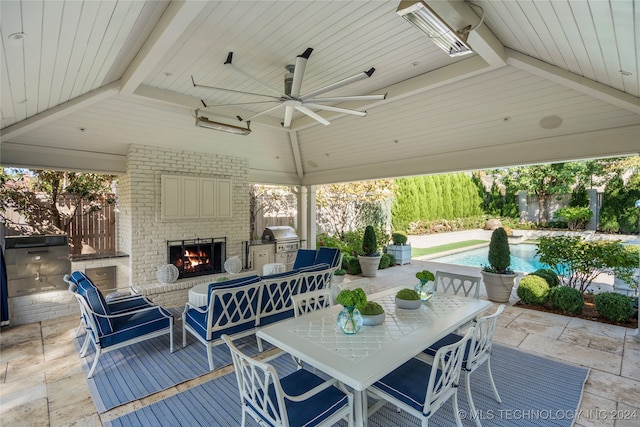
{"points": [[89, 78]]}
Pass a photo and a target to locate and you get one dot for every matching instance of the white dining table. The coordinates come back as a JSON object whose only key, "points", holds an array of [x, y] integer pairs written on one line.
{"points": [[361, 359]]}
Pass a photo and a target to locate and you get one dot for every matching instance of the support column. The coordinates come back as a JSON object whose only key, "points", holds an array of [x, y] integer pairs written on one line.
{"points": [[311, 217], [302, 228], [593, 205]]}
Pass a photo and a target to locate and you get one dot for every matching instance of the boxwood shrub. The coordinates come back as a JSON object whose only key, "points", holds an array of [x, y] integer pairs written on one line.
{"points": [[549, 275], [614, 306], [533, 290], [384, 261], [567, 299]]}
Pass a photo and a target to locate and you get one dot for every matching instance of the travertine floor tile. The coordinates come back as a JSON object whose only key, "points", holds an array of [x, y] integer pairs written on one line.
{"points": [[614, 387], [76, 414], [573, 353], [599, 342], [627, 416], [631, 364], [595, 411], [632, 341], [67, 391], [60, 349], [547, 329], [22, 391], [63, 367], [549, 319], [507, 336], [12, 335], [33, 414], [597, 328], [22, 351]]}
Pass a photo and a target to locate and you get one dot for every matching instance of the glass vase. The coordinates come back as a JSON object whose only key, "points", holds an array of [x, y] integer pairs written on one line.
{"points": [[424, 288], [350, 320]]}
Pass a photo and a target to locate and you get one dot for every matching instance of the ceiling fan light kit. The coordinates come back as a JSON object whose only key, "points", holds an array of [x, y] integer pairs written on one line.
{"points": [[292, 100], [427, 20], [204, 122]]}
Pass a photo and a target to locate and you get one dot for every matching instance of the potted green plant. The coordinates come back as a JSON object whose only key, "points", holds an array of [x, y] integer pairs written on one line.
{"points": [[408, 298], [372, 314], [350, 319], [370, 258], [425, 287], [400, 249], [497, 275]]}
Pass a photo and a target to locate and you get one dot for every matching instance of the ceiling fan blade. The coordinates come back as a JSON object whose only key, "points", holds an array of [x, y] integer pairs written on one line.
{"points": [[244, 73], [339, 84], [336, 109], [298, 72], [234, 91], [235, 103], [349, 98], [288, 115], [264, 112], [312, 114]]}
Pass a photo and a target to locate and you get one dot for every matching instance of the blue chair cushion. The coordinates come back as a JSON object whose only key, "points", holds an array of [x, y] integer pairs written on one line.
{"points": [[128, 304], [448, 340], [77, 276], [137, 325], [96, 302], [317, 408], [198, 321], [408, 383], [241, 281], [329, 256], [304, 258]]}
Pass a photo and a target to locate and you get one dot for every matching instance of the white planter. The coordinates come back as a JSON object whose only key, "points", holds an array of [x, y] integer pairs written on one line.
{"points": [[498, 286], [369, 265], [410, 304], [373, 319], [402, 253]]}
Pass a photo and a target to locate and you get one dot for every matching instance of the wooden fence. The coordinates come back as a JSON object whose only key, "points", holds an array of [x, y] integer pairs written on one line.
{"points": [[96, 230]]}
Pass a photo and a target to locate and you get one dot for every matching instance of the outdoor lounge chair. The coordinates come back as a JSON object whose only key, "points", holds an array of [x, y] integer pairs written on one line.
{"points": [[108, 331], [299, 399]]}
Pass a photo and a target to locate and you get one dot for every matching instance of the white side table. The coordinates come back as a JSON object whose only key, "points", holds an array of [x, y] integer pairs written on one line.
{"points": [[198, 294], [273, 268]]}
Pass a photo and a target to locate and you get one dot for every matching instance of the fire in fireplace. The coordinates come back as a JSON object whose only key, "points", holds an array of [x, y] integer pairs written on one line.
{"points": [[197, 257]]}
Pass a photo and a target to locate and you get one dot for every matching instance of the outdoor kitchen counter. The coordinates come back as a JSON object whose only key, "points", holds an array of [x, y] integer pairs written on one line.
{"points": [[91, 257]]}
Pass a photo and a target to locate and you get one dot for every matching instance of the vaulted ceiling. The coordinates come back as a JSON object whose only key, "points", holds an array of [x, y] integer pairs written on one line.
{"points": [[549, 80]]}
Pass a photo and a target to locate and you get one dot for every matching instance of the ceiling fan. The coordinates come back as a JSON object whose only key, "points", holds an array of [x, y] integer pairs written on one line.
{"points": [[292, 99]]}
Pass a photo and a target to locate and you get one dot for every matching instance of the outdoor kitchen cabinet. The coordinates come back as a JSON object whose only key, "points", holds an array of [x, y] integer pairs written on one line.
{"points": [[192, 197], [261, 255]]}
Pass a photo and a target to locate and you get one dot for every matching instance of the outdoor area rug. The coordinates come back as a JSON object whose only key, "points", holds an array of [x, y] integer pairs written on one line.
{"points": [[145, 368], [535, 391]]}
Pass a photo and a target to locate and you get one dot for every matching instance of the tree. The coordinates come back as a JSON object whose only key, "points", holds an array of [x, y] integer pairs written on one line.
{"points": [[48, 201], [270, 200]]}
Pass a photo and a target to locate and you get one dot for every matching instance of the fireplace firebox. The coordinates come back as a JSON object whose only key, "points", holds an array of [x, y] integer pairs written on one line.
{"points": [[197, 257]]}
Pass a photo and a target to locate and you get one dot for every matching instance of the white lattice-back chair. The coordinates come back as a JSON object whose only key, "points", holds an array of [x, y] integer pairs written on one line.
{"points": [[299, 399], [477, 353], [311, 301], [460, 284], [364, 284], [430, 387]]}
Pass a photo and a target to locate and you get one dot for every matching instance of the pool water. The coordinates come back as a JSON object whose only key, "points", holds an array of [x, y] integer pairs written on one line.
{"points": [[523, 258]]}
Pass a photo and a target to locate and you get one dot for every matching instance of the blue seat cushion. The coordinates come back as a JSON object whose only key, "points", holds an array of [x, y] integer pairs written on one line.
{"points": [[408, 383], [329, 256], [198, 321], [304, 258], [128, 304], [96, 302], [317, 408], [448, 340], [137, 325]]}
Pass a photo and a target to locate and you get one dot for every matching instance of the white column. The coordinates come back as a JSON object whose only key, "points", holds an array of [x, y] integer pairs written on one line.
{"points": [[302, 229], [311, 216]]}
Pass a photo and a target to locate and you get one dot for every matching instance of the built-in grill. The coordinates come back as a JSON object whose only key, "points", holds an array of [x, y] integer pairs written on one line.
{"points": [[36, 264], [285, 238]]}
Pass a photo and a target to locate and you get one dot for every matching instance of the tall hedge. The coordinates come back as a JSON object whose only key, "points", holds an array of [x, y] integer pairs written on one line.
{"points": [[430, 197]]}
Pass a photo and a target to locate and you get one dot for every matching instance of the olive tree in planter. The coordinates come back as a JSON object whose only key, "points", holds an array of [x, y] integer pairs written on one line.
{"points": [[400, 249], [497, 276], [370, 258]]}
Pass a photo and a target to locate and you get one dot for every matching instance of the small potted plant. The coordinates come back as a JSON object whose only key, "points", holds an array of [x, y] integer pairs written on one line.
{"points": [[370, 258], [400, 249], [338, 275], [497, 276], [408, 298], [372, 314], [350, 319], [425, 287]]}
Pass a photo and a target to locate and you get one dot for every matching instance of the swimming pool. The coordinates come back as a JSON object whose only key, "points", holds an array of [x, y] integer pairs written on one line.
{"points": [[523, 258]]}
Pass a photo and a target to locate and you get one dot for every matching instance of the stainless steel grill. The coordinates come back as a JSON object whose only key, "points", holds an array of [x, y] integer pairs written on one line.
{"points": [[285, 238], [36, 264]]}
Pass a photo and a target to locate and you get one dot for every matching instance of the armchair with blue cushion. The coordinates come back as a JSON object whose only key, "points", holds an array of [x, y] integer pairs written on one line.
{"points": [[232, 309], [110, 331], [317, 267]]}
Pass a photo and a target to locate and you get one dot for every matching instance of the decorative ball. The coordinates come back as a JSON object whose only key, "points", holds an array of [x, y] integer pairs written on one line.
{"points": [[167, 273], [233, 265]]}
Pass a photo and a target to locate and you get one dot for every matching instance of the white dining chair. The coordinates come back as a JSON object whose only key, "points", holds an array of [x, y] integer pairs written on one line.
{"points": [[476, 353], [308, 302], [299, 399], [364, 284], [431, 385], [457, 283]]}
